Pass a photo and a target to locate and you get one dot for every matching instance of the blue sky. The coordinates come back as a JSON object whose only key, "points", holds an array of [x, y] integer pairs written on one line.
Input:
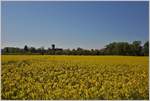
{"points": [[73, 24]]}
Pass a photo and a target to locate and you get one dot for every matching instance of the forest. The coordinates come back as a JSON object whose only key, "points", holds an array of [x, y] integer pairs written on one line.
{"points": [[115, 48]]}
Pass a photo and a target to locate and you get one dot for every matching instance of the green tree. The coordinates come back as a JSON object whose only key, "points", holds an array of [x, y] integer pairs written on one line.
{"points": [[32, 50], [146, 48], [26, 48], [137, 48]]}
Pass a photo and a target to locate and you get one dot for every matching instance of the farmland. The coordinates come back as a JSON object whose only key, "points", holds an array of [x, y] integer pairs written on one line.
{"points": [[74, 77]]}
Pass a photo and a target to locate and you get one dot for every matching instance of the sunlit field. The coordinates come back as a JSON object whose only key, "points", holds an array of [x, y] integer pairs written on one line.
{"points": [[74, 77]]}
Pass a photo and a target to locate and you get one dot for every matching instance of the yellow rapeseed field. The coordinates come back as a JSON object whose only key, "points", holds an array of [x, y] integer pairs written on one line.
{"points": [[74, 77]]}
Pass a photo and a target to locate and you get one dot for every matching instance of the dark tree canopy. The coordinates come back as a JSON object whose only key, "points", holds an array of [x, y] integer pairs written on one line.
{"points": [[26, 48], [146, 48], [114, 48]]}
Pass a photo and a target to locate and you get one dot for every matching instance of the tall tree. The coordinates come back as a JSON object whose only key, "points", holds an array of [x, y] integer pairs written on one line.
{"points": [[146, 48], [26, 48], [136, 48]]}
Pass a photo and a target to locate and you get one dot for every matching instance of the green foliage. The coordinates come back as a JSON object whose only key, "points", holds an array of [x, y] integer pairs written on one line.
{"points": [[146, 48], [115, 48], [26, 48]]}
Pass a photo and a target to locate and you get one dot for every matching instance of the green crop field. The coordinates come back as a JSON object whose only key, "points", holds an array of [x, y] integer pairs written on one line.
{"points": [[74, 77]]}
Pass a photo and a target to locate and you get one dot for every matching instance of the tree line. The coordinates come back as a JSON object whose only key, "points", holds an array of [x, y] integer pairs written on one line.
{"points": [[115, 48]]}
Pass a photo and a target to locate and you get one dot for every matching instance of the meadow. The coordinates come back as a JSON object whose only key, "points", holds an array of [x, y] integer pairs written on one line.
{"points": [[45, 77]]}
